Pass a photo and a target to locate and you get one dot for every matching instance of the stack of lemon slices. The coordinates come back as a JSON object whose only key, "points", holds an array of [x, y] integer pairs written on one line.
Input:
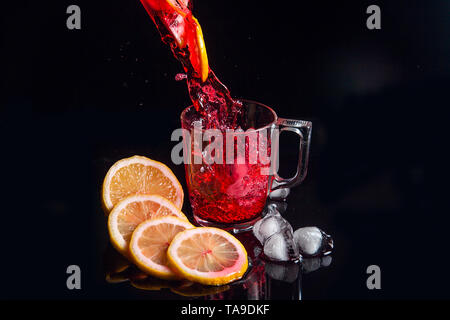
{"points": [[143, 200]]}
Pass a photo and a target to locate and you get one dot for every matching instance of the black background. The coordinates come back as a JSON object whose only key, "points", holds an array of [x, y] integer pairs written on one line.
{"points": [[76, 101]]}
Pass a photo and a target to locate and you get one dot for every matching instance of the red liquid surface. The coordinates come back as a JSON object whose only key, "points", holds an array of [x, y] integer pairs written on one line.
{"points": [[223, 193]]}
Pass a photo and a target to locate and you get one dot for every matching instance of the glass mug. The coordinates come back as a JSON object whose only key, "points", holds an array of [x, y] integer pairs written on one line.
{"points": [[229, 183]]}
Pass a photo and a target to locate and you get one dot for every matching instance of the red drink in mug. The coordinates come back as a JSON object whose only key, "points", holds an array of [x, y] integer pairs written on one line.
{"points": [[230, 187]]}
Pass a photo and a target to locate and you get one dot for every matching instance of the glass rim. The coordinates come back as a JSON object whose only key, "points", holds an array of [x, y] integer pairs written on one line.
{"points": [[245, 101]]}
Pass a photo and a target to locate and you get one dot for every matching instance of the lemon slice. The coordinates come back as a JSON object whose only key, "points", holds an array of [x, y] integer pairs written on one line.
{"points": [[149, 243], [197, 48], [208, 256], [133, 210], [140, 175]]}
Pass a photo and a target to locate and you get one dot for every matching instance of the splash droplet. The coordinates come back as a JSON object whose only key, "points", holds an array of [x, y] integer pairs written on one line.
{"points": [[180, 76]]}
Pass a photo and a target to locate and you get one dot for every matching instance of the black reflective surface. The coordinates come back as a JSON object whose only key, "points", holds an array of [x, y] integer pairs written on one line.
{"points": [[264, 279]]}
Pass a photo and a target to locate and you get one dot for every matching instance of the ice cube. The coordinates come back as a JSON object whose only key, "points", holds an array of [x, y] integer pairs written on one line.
{"points": [[309, 240], [312, 241], [276, 207], [286, 272], [269, 225], [279, 194], [281, 246]]}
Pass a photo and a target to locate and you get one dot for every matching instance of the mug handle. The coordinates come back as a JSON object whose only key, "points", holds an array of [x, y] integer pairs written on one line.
{"points": [[303, 130]]}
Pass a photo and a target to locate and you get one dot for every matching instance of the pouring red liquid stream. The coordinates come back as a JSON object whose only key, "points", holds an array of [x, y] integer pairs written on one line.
{"points": [[223, 193], [182, 32]]}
